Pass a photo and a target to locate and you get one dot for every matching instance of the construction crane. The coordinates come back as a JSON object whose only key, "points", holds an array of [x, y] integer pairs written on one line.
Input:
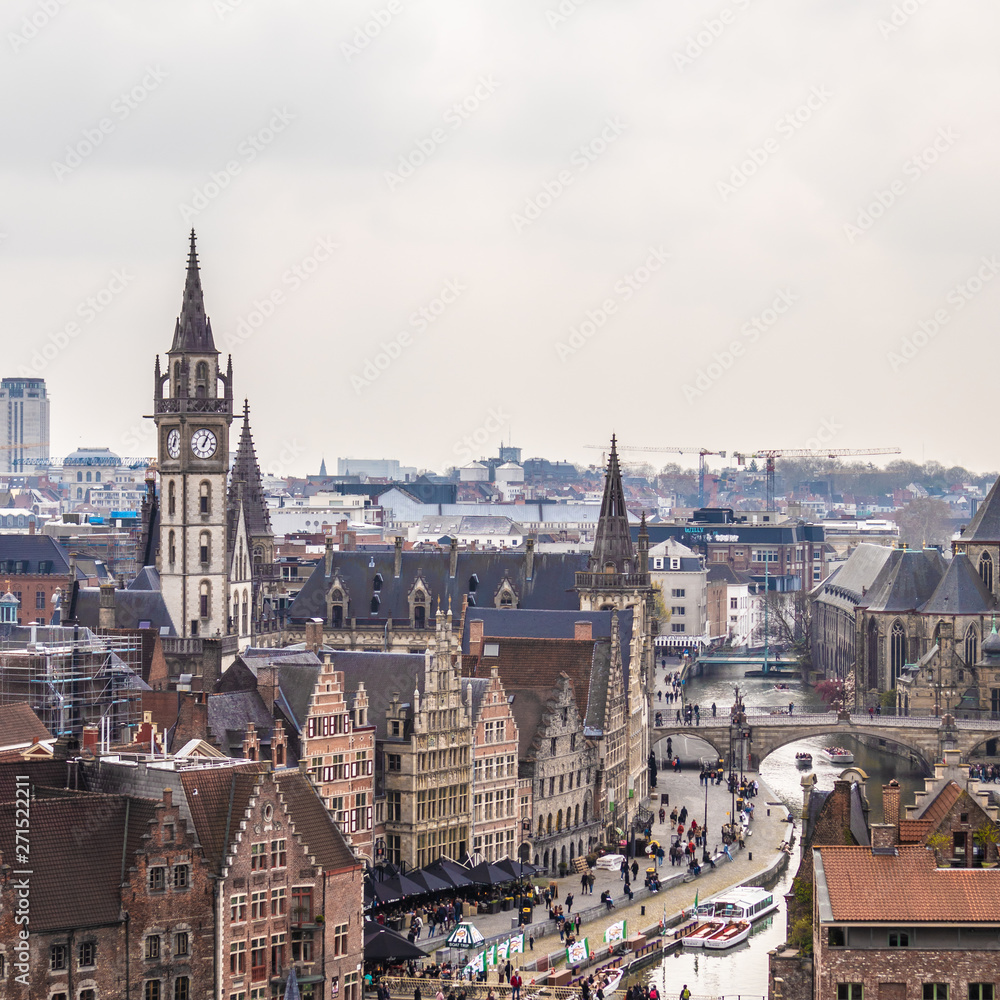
{"points": [[770, 454], [672, 450]]}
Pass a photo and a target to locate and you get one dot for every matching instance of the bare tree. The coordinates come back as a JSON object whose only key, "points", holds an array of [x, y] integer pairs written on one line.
{"points": [[926, 521]]}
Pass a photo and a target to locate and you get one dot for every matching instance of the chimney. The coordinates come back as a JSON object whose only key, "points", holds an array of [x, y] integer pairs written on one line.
{"points": [[397, 565], [883, 838], [583, 630], [106, 614], [279, 744], [251, 744], [31, 526], [529, 558], [890, 803], [328, 565], [476, 637], [314, 634], [91, 738], [168, 797], [453, 559]]}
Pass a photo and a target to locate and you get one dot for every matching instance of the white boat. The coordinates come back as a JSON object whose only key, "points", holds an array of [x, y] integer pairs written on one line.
{"points": [[838, 755], [703, 929], [614, 980], [747, 902], [733, 932]]}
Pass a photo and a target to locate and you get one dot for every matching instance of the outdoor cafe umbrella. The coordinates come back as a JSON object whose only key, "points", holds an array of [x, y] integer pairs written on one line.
{"points": [[430, 882], [486, 874], [383, 944], [519, 869], [450, 871], [392, 890], [465, 935]]}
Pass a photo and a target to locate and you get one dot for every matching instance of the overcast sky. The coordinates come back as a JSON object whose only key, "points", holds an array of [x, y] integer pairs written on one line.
{"points": [[425, 225]]}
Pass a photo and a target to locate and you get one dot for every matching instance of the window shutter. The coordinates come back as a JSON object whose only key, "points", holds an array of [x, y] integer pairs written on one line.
{"points": [[369, 825]]}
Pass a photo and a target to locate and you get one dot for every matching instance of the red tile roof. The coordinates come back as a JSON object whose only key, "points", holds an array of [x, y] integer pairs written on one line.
{"points": [[913, 831], [907, 887], [19, 726]]}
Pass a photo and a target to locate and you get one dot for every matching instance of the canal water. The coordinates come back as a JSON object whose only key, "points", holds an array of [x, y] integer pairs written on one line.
{"points": [[743, 969]]}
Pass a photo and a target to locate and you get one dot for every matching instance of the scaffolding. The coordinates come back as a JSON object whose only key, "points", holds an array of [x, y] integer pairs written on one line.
{"points": [[72, 678]]}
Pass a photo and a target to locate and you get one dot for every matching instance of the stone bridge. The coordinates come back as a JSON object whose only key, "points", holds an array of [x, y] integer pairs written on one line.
{"points": [[925, 739]]}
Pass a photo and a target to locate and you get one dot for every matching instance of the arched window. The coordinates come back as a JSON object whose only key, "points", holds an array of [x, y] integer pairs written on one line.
{"points": [[971, 646], [97, 477], [172, 548], [337, 616], [177, 378], [204, 599], [205, 497], [506, 598], [205, 548], [897, 651], [541, 826], [245, 616], [986, 570], [375, 603], [585, 804], [79, 493], [172, 498], [419, 609], [377, 583], [89, 479], [201, 380], [548, 825], [576, 816], [872, 655], [562, 783], [559, 821], [79, 477]]}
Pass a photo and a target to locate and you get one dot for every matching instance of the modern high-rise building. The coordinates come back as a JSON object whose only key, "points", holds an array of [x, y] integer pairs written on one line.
{"points": [[24, 425]]}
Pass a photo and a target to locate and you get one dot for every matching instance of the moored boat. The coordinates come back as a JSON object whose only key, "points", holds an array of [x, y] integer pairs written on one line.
{"points": [[733, 933], [701, 932], [748, 902]]}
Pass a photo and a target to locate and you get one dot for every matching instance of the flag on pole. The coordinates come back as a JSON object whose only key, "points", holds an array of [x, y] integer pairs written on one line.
{"points": [[696, 901], [503, 952], [476, 965], [616, 932], [491, 954], [517, 944], [578, 953]]}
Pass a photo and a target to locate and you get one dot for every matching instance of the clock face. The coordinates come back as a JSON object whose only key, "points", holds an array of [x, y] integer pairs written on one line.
{"points": [[203, 443], [174, 443]]}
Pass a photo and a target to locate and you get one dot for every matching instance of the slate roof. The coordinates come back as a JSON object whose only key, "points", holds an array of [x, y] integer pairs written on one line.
{"points": [[528, 707], [905, 888], [906, 581], [148, 578], [76, 856], [849, 583], [229, 712], [311, 821], [19, 726], [985, 526], [245, 483], [131, 608], [383, 674], [42, 554], [551, 586], [961, 591], [217, 799]]}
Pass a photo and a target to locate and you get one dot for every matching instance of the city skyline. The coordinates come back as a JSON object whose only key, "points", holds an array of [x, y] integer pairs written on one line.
{"points": [[432, 217]]}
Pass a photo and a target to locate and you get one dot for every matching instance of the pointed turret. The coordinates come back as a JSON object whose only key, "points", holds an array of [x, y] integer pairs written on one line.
{"points": [[193, 332], [613, 551], [246, 484], [322, 467]]}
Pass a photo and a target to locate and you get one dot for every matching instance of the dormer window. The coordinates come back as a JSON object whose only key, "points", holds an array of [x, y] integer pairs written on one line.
{"points": [[473, 583], [376, 601], [377, 583]]}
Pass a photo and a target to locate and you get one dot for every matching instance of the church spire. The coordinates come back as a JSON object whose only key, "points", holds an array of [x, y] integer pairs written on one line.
{"points": [[193, 332], [613, 550], [246, 483]]}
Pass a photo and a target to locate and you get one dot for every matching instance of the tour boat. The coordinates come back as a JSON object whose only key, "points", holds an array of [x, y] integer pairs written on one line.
{"points": [[803, 759], [703, 930], [748, 902], [614, 980], [838, 755], [782, 687], [733, 933]]}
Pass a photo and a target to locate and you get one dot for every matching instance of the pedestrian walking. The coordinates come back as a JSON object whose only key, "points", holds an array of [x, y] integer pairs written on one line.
{"points": [[635, 869], [623, 870], [515, 986], [569, 903], [531, 942], [713, 709]]}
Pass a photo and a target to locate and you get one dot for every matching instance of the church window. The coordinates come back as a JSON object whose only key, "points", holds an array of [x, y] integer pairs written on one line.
{"points": [[971, 646], [506, 598], [986, 570], [172, 548], [201, 380], [897, 651], [375, 604], [205, 498], [419, 609], [245, 616], [172, 498], [177, 378], [204, 599], [473, 583], [204, 548]]}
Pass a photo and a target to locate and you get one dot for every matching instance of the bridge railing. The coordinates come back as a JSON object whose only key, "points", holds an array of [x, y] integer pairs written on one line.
{"points": [[860, 720]]}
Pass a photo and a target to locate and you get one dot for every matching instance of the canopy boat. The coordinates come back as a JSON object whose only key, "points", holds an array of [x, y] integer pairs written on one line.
{"points": [[748, 902], [838, 755], [732, 933], [613, 982]]}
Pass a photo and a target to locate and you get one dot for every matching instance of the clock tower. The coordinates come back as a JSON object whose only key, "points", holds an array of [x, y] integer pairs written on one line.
{"points": [[193, 409]]}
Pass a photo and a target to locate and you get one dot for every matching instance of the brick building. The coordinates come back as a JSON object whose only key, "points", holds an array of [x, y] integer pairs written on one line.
{"points": [[339, 746]]}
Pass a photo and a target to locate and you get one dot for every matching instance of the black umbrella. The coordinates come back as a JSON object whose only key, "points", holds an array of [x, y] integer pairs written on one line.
{"points": [[486, 874], [385, 945], [430, 882], [392, 889], [450, 871], [519, 869]]}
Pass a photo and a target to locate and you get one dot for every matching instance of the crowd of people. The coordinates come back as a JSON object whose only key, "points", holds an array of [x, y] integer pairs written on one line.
{"points": [[984, 772]]}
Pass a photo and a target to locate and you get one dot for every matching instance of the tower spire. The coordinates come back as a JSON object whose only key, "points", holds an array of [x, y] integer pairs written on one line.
{"points": [[193, 332], [612, 542], [246, 484]]}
